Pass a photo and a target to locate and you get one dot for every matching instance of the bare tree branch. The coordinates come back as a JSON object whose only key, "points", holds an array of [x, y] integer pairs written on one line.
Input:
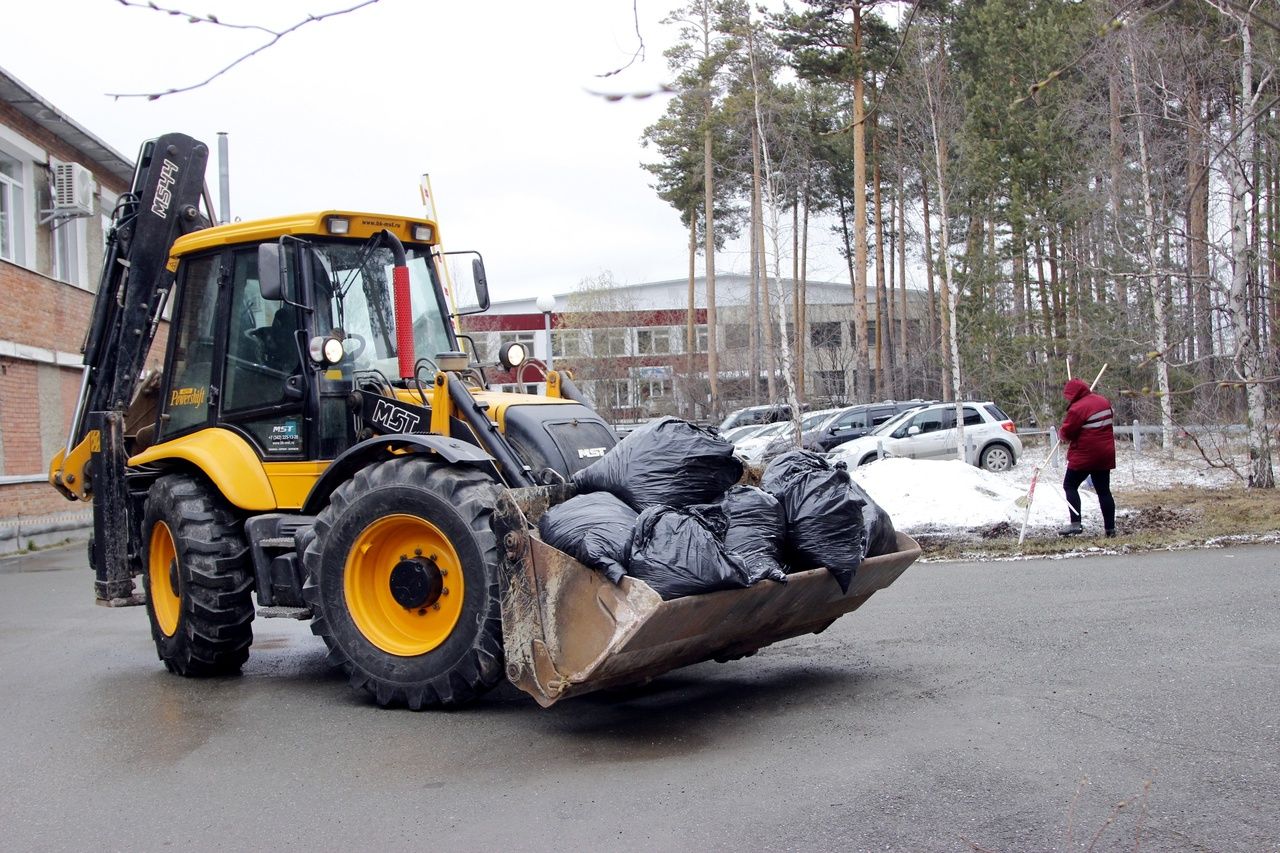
{"points": [[275, 36], [639, 54]]}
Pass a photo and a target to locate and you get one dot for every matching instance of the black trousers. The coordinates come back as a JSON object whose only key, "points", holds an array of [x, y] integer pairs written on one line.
{"points": [[1101, 483]]}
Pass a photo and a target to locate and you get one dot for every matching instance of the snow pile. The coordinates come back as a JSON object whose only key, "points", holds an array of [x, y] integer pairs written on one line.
{"points": [[922, 496], [930, 496]]}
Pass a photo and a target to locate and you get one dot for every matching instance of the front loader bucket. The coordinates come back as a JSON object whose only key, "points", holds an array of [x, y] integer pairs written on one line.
{"points": [[569, 630]]}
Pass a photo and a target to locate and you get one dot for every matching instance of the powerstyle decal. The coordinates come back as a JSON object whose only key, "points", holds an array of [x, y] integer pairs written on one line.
{"points": [[188, 396]]}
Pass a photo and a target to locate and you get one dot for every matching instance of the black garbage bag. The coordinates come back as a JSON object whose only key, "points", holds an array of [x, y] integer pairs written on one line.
{"points": [[756, 532], [667, 462], [788, 465], [593, 529], [824, 516], [677, 552], [881, 536]]}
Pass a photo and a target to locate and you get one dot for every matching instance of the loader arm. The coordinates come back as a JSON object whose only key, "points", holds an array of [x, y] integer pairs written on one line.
{"points": [[133, 287]]}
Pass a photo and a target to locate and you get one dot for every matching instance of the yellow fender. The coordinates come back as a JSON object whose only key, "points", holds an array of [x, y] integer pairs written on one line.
{"points": [[225, 458]]}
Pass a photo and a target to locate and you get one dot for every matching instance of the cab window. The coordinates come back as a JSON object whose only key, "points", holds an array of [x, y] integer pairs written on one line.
{"points": [[190, 370]]}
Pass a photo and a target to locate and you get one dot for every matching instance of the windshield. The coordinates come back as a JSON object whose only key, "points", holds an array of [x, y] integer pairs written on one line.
{"points": [[816, 419], [772, 430], [895, 422], [354, 296]]}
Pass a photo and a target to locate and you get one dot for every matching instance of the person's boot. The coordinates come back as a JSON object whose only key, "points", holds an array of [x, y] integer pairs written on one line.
{"points": [[1072, 529], [1111, 533]]}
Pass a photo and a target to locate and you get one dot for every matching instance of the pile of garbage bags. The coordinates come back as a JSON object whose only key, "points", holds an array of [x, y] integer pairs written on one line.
{"points": [[665, 505]]}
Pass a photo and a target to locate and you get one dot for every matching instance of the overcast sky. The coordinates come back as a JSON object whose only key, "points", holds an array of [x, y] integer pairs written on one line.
{"points": [[490, 98]]}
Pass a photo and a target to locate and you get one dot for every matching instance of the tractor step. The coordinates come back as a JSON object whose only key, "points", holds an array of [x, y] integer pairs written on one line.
{"points": [[298, 613], [277, 542]]}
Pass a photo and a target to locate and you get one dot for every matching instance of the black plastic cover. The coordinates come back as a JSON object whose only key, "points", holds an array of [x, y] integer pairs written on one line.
{"points": [[881, 536], [593, 529], [757, 531], [667, 462], [824, 515], [679, 552]]}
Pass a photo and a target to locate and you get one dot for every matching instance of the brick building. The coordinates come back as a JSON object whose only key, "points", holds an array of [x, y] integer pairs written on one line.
{"points": [[628, 351], [58, 186]]}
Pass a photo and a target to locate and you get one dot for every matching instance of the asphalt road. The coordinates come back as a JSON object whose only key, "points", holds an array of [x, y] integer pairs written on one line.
{"points": [[999, 706]]}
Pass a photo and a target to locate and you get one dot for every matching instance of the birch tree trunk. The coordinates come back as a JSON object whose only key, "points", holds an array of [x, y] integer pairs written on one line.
{"points": [[1248, 361], [1153, 264]]}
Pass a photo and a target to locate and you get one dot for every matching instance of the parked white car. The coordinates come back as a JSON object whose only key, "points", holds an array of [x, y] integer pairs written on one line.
{"points": [[754, 447], [930, 432]]}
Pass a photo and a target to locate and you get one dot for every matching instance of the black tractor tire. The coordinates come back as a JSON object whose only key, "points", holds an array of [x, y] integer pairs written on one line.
{"points": [[451, 506], [200, 604]]}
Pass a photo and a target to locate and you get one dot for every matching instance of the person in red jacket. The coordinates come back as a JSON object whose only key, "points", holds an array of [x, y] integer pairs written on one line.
{"points": [[1087, 427]]}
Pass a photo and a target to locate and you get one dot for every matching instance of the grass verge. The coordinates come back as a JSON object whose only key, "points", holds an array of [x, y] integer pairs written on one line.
{"points": [[1178, 517]]}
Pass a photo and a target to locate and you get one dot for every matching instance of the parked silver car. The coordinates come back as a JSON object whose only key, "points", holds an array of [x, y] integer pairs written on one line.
{"points": [[929, 432]]}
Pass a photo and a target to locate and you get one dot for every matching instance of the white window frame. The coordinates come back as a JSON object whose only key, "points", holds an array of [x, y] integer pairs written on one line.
{"points": [[26, 154], [71, 251]]}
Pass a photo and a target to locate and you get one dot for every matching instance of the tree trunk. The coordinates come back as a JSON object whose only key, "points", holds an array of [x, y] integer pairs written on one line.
{"points": [[1153, 271], [708, 203], [884, 388], [770, 360], [903, 311], [1248, 363], [862, 361], [1117, 204], [691, 317], [1198, 232], [934, 339], [753, 300]]}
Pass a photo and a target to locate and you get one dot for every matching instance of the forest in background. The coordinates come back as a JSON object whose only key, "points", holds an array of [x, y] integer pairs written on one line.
{"points": [[1082, 183]]}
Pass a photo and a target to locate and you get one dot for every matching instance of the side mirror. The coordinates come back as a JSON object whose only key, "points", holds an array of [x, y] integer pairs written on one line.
{"points": [[271, 271], [913, 430], [482, 283]]}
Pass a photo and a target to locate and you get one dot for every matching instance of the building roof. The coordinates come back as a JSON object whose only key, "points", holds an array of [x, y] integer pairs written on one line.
{"points": [[23, 99], [673, 294]]}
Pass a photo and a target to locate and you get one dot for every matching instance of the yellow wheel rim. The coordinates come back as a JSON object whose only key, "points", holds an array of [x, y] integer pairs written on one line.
{"points": [[384, 619], [162, 566]]}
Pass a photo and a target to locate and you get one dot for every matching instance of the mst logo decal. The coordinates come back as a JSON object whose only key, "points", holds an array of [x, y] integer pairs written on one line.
{"points": [[164, 189], [590, 452], [389, 417]]}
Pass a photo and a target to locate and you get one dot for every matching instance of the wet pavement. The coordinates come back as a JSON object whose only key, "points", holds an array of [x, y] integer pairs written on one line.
{"points": [[1000, 706]]}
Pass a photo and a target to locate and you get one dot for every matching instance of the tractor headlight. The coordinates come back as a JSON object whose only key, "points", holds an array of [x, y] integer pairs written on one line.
{"points": [[423, 233], [512, 355], [325, 350], [338, 225]]}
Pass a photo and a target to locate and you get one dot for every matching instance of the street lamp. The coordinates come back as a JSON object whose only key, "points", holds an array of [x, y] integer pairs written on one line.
{"points": [[546, 304]]}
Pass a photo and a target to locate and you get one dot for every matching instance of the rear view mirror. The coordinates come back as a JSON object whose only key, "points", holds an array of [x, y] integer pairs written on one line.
{"points": [[271, 271], [467, 283], [913, 430], [482, 284]]}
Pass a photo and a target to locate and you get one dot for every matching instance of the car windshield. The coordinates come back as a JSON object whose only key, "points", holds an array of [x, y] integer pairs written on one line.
{"points": [[354, 295], [894, 422], [817, 419], [772, 429]]}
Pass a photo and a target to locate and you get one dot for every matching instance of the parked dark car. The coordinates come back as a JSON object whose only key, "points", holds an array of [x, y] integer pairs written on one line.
{"points": [[756, 415], [854, 422]]}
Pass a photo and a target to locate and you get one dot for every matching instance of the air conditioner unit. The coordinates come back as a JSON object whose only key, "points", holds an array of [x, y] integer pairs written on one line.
{"points": [[72, 189]]}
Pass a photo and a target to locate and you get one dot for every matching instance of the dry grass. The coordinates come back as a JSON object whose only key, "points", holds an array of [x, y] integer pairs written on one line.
{"points": [[1168, 518]]}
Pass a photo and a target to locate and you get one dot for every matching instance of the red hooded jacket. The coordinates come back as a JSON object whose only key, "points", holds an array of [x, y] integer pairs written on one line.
{"points": [[1088, 427]]}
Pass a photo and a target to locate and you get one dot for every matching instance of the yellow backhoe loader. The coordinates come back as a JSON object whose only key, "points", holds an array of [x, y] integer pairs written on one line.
{"points": [[319, 445]]}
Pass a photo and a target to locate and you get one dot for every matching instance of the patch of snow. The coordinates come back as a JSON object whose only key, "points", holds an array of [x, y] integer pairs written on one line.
{"points": [[934, 495]]}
